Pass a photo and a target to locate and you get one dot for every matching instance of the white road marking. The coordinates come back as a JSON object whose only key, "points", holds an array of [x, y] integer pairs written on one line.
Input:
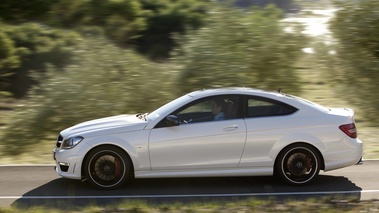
{"points": [[191, 195]]}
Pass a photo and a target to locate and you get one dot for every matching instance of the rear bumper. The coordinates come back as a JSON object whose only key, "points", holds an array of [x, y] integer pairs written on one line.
{"points": [[346, 152], [360, 162]]}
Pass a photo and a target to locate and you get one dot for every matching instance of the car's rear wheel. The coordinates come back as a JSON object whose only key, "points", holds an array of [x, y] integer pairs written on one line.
{"points": [[107, 167], [298, 164]]}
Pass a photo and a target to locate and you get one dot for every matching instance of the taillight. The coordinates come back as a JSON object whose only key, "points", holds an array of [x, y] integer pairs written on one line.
{"points": [[349, 129]]}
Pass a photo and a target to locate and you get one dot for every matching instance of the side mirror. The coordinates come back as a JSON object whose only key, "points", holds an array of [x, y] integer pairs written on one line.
{"points": [[172, 120]]}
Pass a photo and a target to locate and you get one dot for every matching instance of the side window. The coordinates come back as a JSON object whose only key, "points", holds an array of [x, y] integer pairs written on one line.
{"points": [[213, 108], [259, 107], [197, 111], [201, 107]]}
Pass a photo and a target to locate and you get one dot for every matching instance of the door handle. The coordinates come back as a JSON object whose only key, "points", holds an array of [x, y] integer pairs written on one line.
{"points": [[231, 128]]}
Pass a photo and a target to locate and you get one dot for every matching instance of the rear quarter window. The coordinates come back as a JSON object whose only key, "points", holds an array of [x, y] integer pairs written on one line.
{"points": [[261, 107]]}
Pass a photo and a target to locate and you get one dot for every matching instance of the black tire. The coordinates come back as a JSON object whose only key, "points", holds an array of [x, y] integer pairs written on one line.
{"points": [[107, 167], [298, 164]]}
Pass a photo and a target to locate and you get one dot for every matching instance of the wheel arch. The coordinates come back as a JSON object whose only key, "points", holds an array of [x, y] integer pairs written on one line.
{"points": [[107, 145], [299, 143]]}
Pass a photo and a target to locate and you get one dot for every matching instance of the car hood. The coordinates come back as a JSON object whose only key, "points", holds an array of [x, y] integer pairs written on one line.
{"points": [[108, 125]]}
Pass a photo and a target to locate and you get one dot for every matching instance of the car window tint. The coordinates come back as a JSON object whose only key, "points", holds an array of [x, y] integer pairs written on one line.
{"points": [[259, 107], [201, 110], [204, 106]]}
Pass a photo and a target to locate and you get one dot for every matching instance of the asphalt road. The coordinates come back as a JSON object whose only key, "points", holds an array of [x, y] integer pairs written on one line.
{"points": [[27, 186]]}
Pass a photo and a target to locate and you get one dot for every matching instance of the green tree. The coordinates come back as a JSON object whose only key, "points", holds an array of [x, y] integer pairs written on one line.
{"points": [[282, 4], [18, 11], [356, 63], [168, 17], [236, 48], [121, 20], [146, 25], [27, 49]]}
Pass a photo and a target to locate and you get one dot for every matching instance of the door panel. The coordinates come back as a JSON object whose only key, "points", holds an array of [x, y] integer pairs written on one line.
{"points": [[262, 134], [267, 122], [203, 145]]}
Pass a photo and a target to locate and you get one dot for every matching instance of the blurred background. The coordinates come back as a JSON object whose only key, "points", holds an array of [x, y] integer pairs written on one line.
{"points": [[67, 61]]}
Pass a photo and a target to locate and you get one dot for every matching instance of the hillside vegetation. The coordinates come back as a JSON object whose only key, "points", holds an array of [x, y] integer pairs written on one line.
{"points": [[67, 62]]}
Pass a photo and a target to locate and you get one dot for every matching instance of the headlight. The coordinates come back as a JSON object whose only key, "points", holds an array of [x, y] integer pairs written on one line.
{"points": [[71, 142]]}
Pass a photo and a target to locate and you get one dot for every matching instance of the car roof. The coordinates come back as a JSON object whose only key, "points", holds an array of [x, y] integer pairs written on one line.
{"points": [[277, 95], [232, 90]]}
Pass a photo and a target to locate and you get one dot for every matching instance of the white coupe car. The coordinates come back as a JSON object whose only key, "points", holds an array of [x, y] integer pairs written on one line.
{"points": [[215, 132]]}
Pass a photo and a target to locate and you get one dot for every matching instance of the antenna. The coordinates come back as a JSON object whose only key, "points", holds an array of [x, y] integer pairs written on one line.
{"points": [[279, 90]]}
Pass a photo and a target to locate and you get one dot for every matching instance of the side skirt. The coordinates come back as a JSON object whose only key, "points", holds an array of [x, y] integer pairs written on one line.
{"points": [[262, 171]]}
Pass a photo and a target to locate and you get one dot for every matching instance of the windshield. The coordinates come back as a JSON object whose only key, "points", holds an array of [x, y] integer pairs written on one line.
{"points": [[171, 106]]}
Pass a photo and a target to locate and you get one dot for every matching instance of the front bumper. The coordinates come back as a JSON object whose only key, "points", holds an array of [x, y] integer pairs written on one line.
{"points": [[68, 164]]}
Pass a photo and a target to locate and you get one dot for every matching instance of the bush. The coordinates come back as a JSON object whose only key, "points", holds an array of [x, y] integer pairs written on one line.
{"points": [[8, 60], [241, 49], [102, 81]]}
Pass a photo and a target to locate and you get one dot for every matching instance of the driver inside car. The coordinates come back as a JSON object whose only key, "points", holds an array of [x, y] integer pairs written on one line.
{"points": [[218, 109]]}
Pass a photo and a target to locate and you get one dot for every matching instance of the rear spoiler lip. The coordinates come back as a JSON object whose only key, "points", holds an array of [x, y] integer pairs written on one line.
{"points": [[348, 112], [352, 113]]}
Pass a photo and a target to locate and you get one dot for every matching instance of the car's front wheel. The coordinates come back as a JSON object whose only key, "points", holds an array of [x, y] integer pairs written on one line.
{"points": [[107, 167], [298, 164]]}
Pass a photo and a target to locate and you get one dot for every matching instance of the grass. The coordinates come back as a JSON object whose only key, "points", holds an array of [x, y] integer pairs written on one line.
{"points": [[250, 205]]}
